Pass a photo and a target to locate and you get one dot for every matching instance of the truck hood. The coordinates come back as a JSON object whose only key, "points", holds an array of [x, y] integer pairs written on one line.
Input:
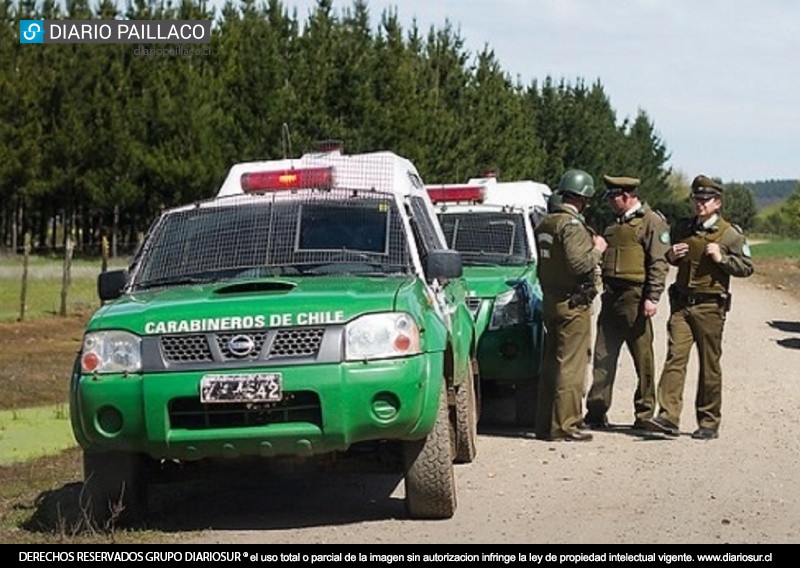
{"points": [[489, 281], [250, 304]]}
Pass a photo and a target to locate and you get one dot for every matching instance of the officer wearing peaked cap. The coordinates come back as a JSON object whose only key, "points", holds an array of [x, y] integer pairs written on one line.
{"points": [[708, 251], [569, 252], [634, 270]]}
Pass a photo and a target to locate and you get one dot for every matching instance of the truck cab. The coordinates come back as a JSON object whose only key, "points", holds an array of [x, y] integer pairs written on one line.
{"points": [[311, 308], [491, 224]]}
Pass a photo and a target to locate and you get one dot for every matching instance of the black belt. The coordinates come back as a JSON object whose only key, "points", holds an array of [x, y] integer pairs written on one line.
{"points": [[690, 299]]}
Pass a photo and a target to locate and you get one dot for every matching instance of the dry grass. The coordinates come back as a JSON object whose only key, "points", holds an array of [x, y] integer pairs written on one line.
{"points": [[36, 359], [779, 274]]}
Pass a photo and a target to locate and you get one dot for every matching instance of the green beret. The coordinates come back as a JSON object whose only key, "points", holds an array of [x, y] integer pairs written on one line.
{"points": [[618, 184], [704, 185]]}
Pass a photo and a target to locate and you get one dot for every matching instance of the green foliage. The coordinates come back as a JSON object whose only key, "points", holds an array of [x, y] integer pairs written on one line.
{"points": [[784, 221], [777, 249], [739, 206], [772, 191], [97, 139]]}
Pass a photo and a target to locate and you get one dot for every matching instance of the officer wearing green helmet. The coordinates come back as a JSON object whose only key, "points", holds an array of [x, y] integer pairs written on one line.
{"points": [[569, 253]]}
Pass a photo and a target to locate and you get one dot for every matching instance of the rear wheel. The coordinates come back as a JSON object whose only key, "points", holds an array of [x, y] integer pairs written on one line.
{"points": [[466, 420], [114, 488], [429, 477]]}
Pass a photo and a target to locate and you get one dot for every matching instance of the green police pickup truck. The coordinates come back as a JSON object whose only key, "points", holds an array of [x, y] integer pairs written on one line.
{"points": [[312, 308], [491, 224]]}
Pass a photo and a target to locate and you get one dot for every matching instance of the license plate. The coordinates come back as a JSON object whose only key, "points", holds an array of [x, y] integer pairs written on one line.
{"points": [[262, 387]]}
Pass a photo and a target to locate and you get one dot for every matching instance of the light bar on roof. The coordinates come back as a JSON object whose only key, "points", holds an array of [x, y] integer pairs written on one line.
{"points": [[278, 180], [455, 193]]}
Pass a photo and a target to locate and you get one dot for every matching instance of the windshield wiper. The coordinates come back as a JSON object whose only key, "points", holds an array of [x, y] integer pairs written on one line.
{"points": [[356, 267], [175, 281]]}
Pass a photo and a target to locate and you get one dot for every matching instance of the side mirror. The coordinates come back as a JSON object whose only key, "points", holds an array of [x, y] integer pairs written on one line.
{"points": [[443, 264], [110, 284]]}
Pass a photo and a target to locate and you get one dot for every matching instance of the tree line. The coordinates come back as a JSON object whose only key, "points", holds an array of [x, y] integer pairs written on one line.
{"points": [[97, 140]]}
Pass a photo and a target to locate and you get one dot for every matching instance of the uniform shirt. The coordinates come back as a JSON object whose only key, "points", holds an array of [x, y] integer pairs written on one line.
{"points": [[637, 247], [567, 257], [697, 272]]}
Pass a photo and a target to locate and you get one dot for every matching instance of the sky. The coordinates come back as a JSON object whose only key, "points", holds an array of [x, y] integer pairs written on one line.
{"points": [[719, 79]]}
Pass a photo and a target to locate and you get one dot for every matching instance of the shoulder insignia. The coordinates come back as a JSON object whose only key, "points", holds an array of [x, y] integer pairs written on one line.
{"points": [[664, 237], [660, 214], [737, 228], [574, 221]]}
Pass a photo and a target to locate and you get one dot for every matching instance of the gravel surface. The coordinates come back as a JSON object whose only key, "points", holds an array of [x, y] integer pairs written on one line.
{"points": [[619, 488]]}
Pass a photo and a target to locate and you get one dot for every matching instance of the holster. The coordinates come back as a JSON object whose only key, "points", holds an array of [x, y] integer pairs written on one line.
{"points": [[584, 295]]}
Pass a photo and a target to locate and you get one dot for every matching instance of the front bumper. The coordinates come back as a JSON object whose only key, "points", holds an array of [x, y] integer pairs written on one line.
{"points": [[326, 407]]}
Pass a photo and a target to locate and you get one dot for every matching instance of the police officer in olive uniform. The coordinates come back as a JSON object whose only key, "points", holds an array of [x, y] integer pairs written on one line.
{"points": [[634, 270], [569, 252], [707, 250]]}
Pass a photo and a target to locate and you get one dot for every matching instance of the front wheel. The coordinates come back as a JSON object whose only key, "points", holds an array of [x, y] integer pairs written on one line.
{"points": [[114, 488], [429, 477], [466, 420]]}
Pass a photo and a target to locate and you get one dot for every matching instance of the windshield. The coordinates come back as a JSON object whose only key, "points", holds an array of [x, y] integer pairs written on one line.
{"points": [[486, 238], [305, 233]]}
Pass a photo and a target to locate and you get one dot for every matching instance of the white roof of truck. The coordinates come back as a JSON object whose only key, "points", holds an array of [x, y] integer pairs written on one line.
{"points": [[524, 193], [381, 171]]}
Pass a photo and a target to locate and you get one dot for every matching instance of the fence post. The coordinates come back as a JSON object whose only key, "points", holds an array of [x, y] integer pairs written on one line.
{"points": [[104, 253], [26, 253], [115, 232], [65, 277]]}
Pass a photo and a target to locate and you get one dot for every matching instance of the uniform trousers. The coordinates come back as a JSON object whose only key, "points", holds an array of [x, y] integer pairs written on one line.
{"points": [[702, 324], [562, 381], [621, 322]]}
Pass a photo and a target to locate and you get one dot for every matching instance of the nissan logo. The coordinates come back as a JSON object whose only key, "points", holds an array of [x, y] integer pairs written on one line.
{"points": [[241, 345]]}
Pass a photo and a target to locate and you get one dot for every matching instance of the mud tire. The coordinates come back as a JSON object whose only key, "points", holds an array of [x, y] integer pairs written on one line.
{"points": [[466, 420], [429, 477]]}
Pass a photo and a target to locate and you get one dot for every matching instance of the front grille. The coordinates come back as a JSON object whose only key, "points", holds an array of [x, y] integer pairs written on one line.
{"points": [[296, 343], [292, 343], [191, 414], [185, 348]]}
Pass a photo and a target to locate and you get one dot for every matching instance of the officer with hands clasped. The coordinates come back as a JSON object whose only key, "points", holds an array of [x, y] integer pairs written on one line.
{"points": [[634, 270], [569, 253], [708, 251]]}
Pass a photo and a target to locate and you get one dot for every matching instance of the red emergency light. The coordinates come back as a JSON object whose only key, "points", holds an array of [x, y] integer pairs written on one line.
{"points": [[277, 180], [454, 193]]}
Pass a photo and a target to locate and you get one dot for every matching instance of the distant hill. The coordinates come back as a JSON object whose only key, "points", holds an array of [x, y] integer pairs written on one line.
{"points": [[772, 191]]}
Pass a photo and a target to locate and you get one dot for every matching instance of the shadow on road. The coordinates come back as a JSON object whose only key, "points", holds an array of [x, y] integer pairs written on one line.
{"points": [[243, 498], [789, 327]]}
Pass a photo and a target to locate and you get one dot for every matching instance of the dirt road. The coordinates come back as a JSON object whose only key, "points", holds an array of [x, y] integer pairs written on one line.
{"points": [[620, 488]]}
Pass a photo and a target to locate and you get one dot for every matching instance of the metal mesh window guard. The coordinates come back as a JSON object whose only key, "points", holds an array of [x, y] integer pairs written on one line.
{"points": [[424, 223], [497, 238], [306, 232]]}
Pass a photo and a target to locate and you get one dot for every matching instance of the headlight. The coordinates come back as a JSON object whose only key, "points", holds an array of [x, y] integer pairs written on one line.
{"points": [[507, 310], [378, 336], [111, 352]]}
